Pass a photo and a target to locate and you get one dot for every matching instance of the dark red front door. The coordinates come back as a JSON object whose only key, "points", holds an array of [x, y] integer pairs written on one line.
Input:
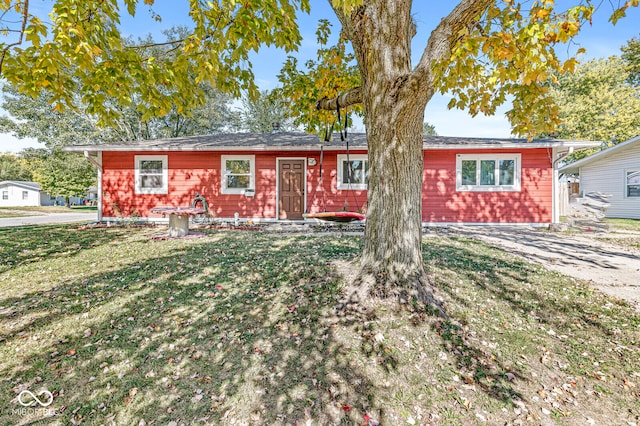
{"points": [[290, 189]]}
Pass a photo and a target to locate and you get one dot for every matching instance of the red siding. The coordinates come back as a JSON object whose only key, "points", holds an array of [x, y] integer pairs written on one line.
{"points": [[324, 195], [442, 203], [191, 172]]}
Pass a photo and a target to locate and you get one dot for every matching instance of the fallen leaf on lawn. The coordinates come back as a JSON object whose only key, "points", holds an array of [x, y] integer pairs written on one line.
{"points": [[133, 392], [600, 376], [71, 352]]}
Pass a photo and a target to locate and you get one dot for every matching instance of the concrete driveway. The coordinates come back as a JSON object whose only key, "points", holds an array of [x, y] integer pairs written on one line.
{"points": [[612, 269], [49, 218]]}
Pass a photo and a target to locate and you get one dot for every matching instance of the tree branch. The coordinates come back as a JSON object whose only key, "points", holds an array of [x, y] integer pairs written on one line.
{"points": [[352, 97], [25, 17], [448, 33]]}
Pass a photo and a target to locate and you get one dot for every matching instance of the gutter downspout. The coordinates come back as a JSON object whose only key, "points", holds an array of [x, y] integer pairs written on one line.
{"points": [[98, 164], [554, 187]]}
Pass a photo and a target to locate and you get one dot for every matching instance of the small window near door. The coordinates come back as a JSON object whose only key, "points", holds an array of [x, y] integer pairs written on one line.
{"points": [[633, 183], [238, 173], [354, 172], [151, 174], [25, 195]]}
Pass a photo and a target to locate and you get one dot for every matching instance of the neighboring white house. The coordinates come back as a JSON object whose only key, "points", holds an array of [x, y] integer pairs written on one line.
{"points": [[614, 171], [15, 193]]}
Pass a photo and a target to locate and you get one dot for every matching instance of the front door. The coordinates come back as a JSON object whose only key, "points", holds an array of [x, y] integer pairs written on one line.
{"points": [[290, 189]]}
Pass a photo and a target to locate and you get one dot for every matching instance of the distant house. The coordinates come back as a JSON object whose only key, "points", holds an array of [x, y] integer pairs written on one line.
{"points": [[16, 193], [281, 176], [614, 171]]}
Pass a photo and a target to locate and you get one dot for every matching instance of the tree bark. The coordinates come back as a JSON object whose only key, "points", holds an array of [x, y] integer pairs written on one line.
{"points": [[394, 97], [352, 97], [391, 262]]}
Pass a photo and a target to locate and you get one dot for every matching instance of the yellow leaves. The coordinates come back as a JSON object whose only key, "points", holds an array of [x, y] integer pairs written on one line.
{"points": [[570, 65], [542, 14]]}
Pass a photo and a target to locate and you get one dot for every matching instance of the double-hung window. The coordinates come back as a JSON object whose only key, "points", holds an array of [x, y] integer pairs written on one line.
{"points": [[488, 172], [238, 173], [354, 172], [151, 174], [25, 195], [5, 195], [632, 183]]}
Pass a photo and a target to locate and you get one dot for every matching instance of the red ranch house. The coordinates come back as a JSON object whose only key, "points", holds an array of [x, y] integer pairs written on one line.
{"points": [[281, 176]]}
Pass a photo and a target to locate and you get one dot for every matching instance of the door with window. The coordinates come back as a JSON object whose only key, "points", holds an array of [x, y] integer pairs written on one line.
{"points": [[291, 185]]}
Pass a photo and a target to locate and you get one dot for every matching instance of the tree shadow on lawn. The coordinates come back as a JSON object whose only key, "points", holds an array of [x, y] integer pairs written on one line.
{"points": [[241, 327], [501, 303], [30, 244], [233, 328], [518, 287]]}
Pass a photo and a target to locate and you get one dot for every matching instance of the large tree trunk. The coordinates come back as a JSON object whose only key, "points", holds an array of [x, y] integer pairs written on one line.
{"points": [[393, 235], [381, 33], [394, 97]]}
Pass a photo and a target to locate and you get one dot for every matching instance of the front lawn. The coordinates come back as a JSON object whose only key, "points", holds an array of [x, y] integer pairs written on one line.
{"points": [[242, 328]]}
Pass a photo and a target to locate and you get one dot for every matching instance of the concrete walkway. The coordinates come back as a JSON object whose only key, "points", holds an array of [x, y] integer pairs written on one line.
{"points": [[49, 218], [614, 270]]}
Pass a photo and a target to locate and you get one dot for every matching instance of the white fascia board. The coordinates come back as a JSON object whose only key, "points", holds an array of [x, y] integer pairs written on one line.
{"points": [[599, 155]]}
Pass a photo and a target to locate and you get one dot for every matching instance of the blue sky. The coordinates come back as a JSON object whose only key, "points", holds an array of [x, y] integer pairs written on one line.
{"points": [[601, 39]]}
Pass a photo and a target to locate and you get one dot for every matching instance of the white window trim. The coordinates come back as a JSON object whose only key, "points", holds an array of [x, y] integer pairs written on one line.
{"points": [[626, 183], [252, 177], [165, 174], [352, 157], [516, 187], [5, 195]]}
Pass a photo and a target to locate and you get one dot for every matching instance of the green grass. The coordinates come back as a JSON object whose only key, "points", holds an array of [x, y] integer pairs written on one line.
{"points": [[7, 213], [242, 327], [28, 210], [624, 224]]}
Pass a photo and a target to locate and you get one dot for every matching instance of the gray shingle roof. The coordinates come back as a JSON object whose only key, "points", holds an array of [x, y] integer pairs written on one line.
{"points": [[305, 142], [23, 184]]}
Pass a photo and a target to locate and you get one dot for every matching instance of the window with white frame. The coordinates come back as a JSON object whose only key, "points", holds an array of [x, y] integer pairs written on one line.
{"points": [[488, 172], [151, 174], [5, 195], [353, 173], [632, 183], [25, 195], [238, 173]]}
